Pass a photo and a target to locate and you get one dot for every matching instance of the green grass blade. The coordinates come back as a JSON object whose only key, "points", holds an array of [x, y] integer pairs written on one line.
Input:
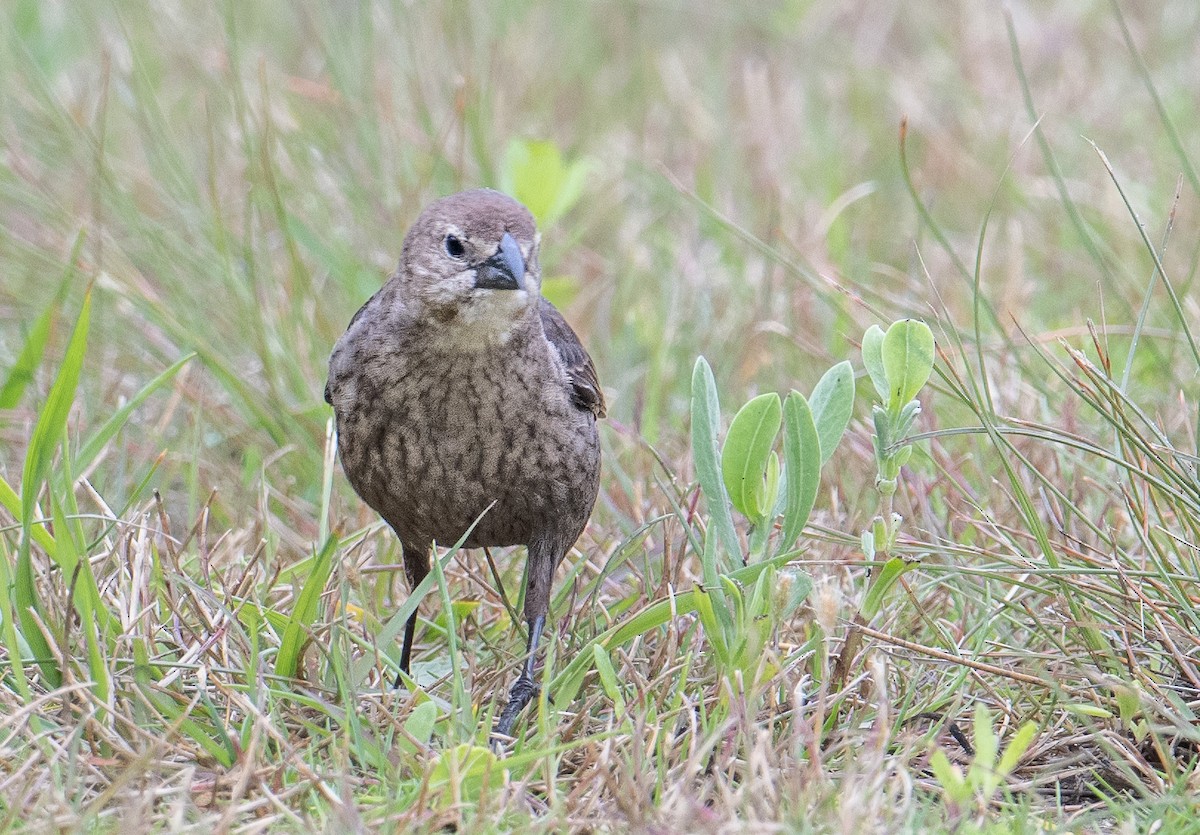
{"points": [[100, 438], [39, 457], [305, 611], [71, 554], [462, 717], [608, 679], [11, 501], [14, 647], [567, 682], [53, 417], [327, 465], [1177, 144], [216, 745], [21, 374], [1180, 311], [1068, 203], [23, 370], [391, 630]]}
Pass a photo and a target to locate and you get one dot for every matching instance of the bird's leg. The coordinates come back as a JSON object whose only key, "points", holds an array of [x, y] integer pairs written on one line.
{"points": [[416, 566], [537, 605], [525, 687], [410, 630], [535, 636]]}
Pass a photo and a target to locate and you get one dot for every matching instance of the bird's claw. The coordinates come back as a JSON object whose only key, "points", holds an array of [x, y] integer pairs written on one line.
{"points": [[523, 692]]}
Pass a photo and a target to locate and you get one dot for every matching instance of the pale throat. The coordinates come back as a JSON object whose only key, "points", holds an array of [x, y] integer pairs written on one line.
{"points": [[486, 320]]}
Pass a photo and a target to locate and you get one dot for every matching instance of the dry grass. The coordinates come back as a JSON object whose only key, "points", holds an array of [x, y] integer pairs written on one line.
{"points": [[233, 182]]}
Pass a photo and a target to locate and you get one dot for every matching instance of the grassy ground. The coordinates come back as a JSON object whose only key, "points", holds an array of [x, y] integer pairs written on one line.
{"points": [[231, 182]]}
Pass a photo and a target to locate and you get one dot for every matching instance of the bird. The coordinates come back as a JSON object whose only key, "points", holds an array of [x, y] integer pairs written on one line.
{"points": [[463, 398]]}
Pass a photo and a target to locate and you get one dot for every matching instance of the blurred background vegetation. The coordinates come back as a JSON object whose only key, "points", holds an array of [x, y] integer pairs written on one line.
{"points": [[243, 175]]}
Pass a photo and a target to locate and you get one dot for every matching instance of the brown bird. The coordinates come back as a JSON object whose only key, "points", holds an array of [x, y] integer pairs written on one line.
{"points": [[462, 396]]}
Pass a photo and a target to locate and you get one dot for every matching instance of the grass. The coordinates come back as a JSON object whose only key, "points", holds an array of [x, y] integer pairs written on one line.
{"points": [[200, 626]]}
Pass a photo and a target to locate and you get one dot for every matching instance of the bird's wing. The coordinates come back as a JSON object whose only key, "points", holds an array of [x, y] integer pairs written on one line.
{"points": [[585, 385], [353, 319]]}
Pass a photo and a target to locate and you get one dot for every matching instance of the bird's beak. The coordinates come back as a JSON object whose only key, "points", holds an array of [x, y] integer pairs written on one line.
{"points": [[503, 271]]}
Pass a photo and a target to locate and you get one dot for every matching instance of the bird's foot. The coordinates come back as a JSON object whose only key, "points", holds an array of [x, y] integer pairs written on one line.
{"points": [[522, 693]]}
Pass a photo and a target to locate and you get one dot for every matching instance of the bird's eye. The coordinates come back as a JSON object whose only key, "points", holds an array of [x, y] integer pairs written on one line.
{"points": [[454, 247]]}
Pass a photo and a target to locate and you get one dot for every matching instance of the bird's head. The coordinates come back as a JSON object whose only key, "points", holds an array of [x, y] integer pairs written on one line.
{"points": [[470, 263]]}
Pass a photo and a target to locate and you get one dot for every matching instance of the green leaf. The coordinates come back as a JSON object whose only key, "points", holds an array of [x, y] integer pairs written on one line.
{"points": [[1017, 746], [892, 571], [904, 422], [882, 535], [706, 414], [460, 610], [832, 403], [794, 587], [535, 174], [759, 605], [802, 464], [567, 682], [872, 356], [1086, 709], [712, 580], [459, 774], [419, 725], [703, 603], [747, 451], [732, 593], [1128, 701], [950, 777], [987, 746], [305, 611], [770, 491], [867, 542], [421, 721], [907, 353]]}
